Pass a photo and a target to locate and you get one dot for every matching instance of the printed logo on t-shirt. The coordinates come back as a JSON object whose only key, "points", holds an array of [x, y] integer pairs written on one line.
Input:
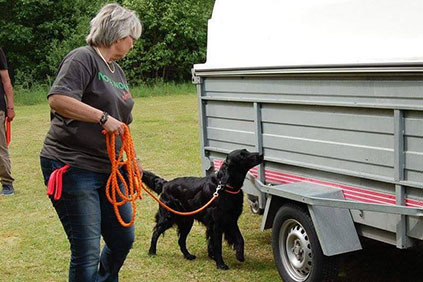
{"points": [[118, 85], [126, 95]]}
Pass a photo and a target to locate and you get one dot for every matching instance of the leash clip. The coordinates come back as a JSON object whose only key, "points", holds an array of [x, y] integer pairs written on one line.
{"points": [[219, 187]]}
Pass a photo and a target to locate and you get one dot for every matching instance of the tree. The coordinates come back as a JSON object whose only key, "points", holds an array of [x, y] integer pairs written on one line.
{"points": [[174, 38], [36, 34]]}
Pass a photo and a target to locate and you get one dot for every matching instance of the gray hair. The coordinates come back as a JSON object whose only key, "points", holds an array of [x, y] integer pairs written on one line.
{"points": [[113, 22]]}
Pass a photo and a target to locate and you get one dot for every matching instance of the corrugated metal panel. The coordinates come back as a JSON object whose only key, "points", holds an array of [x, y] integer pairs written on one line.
{"points": [[413, 141], [227, 146], [232, 136], [242, 125], [327, 163], [393, 89], [359, 138], [229, 110], [347, 152], [330, 117], [352, 92]]}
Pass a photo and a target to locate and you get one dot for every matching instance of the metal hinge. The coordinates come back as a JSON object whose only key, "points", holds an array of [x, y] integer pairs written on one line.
{"points": [[195, 79]]}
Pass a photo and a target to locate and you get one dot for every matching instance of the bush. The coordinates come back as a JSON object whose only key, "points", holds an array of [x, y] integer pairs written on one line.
{"points": [[37, 34], [174, 38]]}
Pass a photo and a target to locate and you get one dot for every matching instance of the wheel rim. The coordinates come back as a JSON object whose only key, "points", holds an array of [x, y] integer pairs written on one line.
{"points": [[254, 205], [295, 250]]}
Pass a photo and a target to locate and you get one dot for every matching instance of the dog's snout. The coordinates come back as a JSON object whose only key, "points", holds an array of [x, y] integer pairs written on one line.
{"points": [[260, 158], [257, 158]]}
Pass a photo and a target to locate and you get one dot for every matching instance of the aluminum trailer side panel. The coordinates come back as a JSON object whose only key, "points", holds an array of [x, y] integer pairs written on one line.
{"points": [[359, 132]]}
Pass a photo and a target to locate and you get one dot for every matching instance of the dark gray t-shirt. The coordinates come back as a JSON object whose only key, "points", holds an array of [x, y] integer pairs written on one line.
{"points": [[84, 76]]}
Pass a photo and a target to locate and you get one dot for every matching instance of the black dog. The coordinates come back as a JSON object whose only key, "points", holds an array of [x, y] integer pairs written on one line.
{"points": [[190, 193]]}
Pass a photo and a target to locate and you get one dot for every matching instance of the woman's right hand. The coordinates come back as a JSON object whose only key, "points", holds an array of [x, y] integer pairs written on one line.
{"points": [[113, 125]]}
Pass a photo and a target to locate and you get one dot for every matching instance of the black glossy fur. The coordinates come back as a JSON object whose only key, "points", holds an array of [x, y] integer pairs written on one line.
{"points": [[191, 193]]}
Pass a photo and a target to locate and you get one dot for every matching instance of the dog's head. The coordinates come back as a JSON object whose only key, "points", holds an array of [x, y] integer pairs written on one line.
{"points": [[236, 165]]}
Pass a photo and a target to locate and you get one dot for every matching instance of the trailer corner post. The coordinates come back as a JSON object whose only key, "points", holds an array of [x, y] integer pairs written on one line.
{"points": [[205, 161], [259, 148], [402, 240]]}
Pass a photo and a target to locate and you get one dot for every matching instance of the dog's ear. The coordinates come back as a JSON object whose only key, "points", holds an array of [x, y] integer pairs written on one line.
{"points": [[223, 173]]}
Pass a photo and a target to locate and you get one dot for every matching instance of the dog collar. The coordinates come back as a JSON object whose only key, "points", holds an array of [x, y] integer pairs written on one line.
{"points": [[228, 189]]}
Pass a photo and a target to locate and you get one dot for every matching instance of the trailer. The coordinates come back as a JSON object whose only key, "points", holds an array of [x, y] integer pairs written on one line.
{"points": [[331, 92]]}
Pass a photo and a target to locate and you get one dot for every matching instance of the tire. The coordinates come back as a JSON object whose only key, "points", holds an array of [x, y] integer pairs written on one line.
{"points": [[296, 248], [254, 205]]}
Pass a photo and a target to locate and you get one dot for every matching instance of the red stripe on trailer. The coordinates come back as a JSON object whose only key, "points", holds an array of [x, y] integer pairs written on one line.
{"points": [[380, 197], [350, 192]]}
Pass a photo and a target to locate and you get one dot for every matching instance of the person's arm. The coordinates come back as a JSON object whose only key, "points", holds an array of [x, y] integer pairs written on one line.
{"points": [[72, 108], [8, 89]]}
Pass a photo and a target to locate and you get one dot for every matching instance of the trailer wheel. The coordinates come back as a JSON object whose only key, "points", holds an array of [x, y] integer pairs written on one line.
{"points": [[254, 205], [296, 248]]}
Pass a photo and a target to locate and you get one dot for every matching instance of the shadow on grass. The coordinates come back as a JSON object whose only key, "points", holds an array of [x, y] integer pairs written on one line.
{"points": [[381, 262]]}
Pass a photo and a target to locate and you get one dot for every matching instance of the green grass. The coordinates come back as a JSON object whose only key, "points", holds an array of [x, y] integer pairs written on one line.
{"points": [[33, 245]]}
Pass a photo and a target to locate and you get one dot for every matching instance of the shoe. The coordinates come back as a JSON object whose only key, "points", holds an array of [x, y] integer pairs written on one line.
{"points": [[7, 190]]}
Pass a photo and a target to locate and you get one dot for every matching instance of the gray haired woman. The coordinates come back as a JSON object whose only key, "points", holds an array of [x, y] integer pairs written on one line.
{"points": [[91, 94]]}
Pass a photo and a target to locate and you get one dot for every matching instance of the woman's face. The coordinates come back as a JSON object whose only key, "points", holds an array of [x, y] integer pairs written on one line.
{"points": [[122, 47]]}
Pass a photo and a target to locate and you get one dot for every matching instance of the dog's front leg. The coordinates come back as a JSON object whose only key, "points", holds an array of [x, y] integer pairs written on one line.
{"points": [[239, 244], [210, 243], [217, 240]]}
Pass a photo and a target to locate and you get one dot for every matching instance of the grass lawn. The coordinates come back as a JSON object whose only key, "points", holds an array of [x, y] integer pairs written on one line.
{"points": [[33, 245]]}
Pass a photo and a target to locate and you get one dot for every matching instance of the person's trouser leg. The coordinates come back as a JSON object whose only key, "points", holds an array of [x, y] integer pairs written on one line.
{"points": [[86, 213], [118, 239], [5, 168], [81, 218], [80, 213]]}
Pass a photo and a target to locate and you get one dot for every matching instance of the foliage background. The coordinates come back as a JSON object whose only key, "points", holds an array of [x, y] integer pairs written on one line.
{"points": [[37, 34]]}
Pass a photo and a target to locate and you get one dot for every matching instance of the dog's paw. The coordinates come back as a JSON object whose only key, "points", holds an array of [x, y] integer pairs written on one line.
{"points": [[222, 266], [240, 257], [190, 257], [152, 253]]}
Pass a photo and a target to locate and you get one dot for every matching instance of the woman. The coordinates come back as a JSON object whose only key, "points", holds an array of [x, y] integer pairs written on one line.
{"points": [[90, 94]]}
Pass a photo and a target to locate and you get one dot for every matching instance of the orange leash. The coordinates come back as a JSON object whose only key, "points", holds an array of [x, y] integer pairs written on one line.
{"points": [[133, 188], [8, 126]]}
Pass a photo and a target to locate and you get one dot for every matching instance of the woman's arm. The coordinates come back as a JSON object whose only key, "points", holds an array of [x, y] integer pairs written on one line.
{"points": [[8, 89], [72, 108]]}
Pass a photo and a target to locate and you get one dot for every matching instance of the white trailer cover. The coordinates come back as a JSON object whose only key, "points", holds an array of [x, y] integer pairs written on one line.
{"points": [[286, 33]]}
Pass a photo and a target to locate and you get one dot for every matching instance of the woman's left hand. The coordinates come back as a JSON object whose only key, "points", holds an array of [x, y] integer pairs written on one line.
{"points": [[115, 126]]}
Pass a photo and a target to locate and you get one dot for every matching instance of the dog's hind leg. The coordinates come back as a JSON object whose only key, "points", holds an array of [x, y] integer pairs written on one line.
{"points": [[184, 227], [162, 225]]}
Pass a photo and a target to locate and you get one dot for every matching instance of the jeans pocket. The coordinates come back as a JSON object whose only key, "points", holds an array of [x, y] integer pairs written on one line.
{"points": [[48, 166]]}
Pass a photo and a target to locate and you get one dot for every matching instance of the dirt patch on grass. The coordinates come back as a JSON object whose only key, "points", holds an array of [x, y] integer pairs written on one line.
{"points": [[8, 241]]}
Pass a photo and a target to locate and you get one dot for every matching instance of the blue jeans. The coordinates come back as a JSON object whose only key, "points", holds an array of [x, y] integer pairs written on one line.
{"points": [[86, 215]]}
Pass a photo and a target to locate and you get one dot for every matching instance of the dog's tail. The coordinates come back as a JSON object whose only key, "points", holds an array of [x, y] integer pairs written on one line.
{"points": [[153, 181]]}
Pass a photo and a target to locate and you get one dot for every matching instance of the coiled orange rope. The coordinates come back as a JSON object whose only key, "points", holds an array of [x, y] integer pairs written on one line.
{"points": [[133, 188]]}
